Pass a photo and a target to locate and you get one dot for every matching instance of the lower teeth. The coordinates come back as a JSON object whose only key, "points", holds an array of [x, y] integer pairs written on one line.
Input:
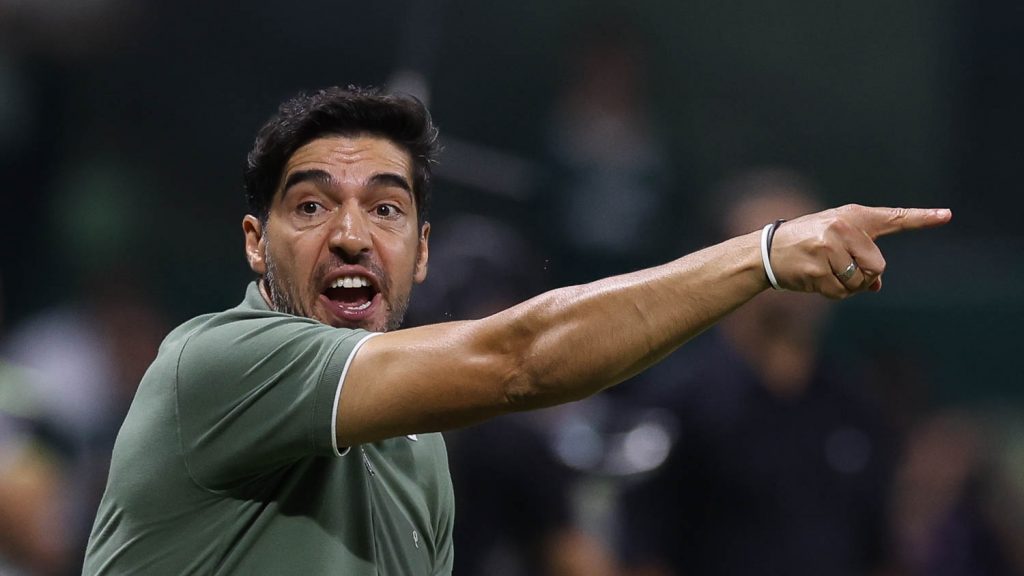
{"points": [[362, 306]]}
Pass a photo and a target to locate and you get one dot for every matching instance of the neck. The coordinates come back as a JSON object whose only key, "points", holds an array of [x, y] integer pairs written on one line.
{"points": [[262, 285]]}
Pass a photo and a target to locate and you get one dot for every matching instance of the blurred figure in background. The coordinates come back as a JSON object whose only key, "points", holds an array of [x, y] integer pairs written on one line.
{"points": [[958, 498], [606, 210], [32, 540], [781, 462], [87, 352], [1003, 501]]}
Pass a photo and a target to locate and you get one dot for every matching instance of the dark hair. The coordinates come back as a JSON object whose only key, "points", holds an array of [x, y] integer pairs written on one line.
{"points": [[400, 118]]}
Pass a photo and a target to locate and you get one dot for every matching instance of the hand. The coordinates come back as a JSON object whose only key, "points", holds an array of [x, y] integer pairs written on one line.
{"points": [[811, 253]]}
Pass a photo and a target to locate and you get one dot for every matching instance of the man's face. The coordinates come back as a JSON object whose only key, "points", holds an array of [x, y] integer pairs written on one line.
{"points": [[341, 243]]}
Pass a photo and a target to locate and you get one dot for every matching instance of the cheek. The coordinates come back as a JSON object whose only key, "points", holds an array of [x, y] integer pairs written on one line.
{"points": [[412, 251], [399, 259], [293, 258], [299, 250]]}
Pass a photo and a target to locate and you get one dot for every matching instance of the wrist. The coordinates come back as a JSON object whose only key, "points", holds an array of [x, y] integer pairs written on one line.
{"points": [[767, 235]]}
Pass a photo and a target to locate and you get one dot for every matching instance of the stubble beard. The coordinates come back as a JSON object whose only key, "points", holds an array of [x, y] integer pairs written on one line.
{"points": [[279, 290], [285, 299]]}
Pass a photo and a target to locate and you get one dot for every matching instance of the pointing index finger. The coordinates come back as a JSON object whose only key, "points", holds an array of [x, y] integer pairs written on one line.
{"points": [[883, 221]]}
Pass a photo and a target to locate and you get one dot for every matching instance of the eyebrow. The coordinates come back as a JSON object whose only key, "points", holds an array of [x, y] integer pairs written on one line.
{"points": [[391, 179], [322, 177]]}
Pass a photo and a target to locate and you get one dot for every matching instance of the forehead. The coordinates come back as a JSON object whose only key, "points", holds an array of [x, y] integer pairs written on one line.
{"points": [[350, 157]]}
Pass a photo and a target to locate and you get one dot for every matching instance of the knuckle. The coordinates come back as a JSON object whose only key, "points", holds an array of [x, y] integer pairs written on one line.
{"points": [[841, 226], [850, 210], [826, 216], [820, 242], [825, 272], [815, 271]]}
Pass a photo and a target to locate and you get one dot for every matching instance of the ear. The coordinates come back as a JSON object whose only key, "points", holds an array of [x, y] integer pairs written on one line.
{"points": [[422, 254], [255, 244]]}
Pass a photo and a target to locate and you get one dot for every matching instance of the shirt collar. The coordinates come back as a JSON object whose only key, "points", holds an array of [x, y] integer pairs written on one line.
{"points": [[254, 298]]}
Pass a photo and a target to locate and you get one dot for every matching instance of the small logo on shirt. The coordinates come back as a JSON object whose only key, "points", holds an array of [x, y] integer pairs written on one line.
{"points": [[412, 437]]}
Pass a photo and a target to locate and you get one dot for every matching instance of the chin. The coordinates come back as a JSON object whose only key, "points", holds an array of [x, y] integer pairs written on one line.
{"points": [[368, 324]]}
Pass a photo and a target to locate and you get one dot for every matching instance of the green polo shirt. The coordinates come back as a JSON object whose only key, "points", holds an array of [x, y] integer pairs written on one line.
{"points": [[227, 464]]}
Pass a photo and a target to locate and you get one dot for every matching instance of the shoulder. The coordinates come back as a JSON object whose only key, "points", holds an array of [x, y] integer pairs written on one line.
{"points": [[242, 334], [242, 354], [244, 345]]}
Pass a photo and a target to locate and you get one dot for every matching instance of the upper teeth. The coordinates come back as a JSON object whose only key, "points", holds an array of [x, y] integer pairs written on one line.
{"points": [[350, 282]]}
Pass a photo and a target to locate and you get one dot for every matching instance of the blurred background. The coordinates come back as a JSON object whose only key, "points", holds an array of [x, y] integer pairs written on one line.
{"points": [[882, 435]]}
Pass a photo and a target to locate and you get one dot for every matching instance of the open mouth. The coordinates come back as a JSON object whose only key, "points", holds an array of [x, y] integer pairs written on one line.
{"points": [[351, 297], [353, 292]]}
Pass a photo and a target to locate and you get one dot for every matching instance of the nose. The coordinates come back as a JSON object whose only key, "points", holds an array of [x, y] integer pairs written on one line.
{"points": [[351, 234]]}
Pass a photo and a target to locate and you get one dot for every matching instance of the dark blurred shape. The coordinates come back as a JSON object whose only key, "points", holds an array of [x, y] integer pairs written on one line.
{"points": [[86, 353], [989, 117], [86, 356], [781, 461], [606, 209], [70, 31], [958, 507], [478, 266]]}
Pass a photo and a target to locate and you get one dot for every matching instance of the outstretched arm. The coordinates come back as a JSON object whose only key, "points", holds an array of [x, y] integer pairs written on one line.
{"points": [[572, 342]]}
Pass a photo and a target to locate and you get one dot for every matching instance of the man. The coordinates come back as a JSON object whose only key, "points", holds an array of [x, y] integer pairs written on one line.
{"points": [[289, 435], [778, 454]]}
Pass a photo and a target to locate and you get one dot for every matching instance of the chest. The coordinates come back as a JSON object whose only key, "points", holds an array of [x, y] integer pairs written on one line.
{"points": [[408, 492]]}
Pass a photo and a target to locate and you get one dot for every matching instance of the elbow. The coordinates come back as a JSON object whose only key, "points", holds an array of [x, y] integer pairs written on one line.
{"points": [[522, 382], [520, 389], [527, 363], [504, 344], [528, 388]]}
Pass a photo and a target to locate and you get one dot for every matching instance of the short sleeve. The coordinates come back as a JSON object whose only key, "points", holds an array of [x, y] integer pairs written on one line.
{"points": [[258, 393], [443, 506]]}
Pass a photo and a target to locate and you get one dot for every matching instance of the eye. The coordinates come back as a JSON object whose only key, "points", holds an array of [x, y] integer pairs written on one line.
{"points": [[387, 211], [310, 208]]}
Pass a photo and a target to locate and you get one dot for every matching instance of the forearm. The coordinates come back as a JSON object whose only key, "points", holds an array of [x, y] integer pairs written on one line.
{"points": [[578, 340], [582, 339]]}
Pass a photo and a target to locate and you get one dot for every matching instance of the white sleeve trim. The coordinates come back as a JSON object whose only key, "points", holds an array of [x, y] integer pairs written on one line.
{"points": [[337, 394]]}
